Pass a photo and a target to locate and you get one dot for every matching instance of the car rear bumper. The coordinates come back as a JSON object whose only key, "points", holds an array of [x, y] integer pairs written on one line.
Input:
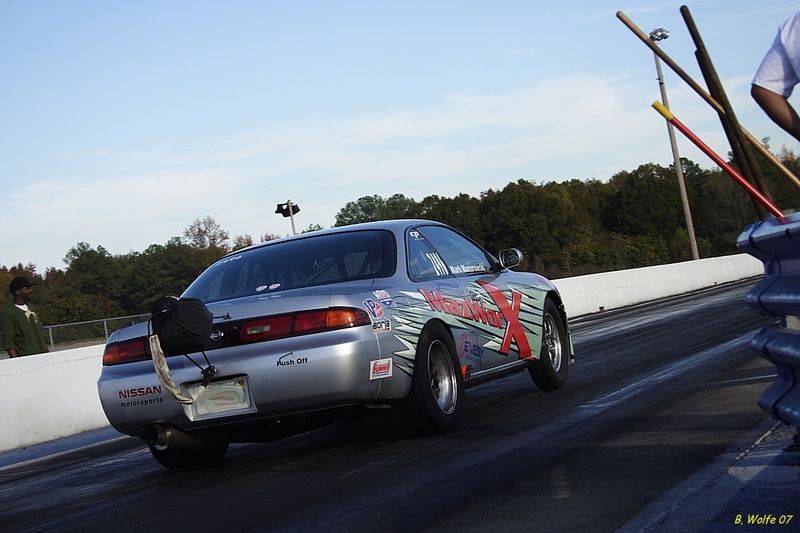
{"points": [[282, 377]]}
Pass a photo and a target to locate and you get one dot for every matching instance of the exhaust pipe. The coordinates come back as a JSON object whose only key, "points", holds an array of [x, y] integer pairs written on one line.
{"points": [[161, 437]]}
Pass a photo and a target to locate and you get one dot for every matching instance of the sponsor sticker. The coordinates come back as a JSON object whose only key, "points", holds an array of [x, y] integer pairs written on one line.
{"points": [[380, 369], [227, 260], [382, 295], [415, 234], [382, 326], [467, 269], [140, 396], [470, 350], [446, 285], [265, 287], [373, 308]]}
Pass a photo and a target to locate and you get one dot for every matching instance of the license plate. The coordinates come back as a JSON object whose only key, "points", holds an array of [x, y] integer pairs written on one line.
{"points": [[220, 396]]}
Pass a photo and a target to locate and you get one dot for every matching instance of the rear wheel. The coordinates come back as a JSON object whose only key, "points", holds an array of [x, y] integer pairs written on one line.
{"points": [[549, 372], [436, 400]]}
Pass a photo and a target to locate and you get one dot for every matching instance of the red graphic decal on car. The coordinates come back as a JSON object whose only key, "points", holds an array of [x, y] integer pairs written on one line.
{"points": [[463, 308], [514, 330], [507, 317]]}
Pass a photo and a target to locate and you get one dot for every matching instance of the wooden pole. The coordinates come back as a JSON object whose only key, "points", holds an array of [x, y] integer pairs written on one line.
{"points": [[703, 94], [741, 150]]}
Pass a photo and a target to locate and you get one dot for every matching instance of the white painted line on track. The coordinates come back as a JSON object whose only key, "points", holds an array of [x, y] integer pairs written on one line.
{"points": [[744, 380], [587, 411], [671, 371], [63, 453]]}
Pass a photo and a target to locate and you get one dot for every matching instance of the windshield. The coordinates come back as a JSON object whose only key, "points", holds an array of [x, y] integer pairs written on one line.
{"points": [[317, 260]]}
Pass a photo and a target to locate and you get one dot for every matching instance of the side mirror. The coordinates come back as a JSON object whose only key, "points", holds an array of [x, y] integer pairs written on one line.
{"points": [[510, 258]]}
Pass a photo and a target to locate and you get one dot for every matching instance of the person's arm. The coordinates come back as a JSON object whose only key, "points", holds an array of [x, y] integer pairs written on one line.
{"points": [[778, 108], [7, 336]]}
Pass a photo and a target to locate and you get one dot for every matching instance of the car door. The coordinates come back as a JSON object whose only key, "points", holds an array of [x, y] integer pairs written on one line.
{"points": [[498, 311], [440, 293]]}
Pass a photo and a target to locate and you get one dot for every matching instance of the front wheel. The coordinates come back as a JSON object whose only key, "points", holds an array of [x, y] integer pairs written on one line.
{"points": [[436, 400], [549, 372]]}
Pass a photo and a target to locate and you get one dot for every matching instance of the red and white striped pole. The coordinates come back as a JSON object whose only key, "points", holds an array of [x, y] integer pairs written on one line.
{"points": [[755, 193]]}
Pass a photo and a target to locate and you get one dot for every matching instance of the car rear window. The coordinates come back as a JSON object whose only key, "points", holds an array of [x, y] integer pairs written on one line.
{"points": [[314, 260]]}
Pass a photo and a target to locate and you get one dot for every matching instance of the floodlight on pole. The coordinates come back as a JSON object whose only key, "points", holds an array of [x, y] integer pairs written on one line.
{"points": [[659, 34], [288, 209]]}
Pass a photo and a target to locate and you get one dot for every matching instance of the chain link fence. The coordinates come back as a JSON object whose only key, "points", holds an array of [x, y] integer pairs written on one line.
{"points": [[76, 334]]}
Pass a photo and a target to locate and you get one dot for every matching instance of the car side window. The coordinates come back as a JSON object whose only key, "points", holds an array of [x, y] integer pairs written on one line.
{"points": [[461, 256], [423, 261]]}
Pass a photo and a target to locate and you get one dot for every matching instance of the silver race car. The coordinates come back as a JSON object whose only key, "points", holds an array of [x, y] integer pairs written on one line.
{"points": [[398, 315]]}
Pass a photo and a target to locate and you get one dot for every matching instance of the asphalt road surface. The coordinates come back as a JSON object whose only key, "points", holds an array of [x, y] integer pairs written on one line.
{"points": [[657, 392]]}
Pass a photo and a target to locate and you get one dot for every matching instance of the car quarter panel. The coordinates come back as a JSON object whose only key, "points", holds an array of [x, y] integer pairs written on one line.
{"points": [[284, 376]]}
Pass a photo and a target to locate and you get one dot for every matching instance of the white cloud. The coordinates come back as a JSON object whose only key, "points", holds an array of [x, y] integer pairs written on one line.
{"points": [[578, 126]]}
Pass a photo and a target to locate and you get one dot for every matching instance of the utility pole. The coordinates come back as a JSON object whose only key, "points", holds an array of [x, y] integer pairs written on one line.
{"points": [[659, 34]]}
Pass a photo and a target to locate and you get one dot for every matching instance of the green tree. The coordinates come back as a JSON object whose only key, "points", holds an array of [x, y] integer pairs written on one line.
{"points": [[720, 209], [164, 270], [206, 233], [95, 274], [645, 201], [463, 212], [372, 208], [242, 241]]}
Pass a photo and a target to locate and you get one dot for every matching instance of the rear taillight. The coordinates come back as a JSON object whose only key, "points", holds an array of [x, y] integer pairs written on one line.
{"points": [[264, 329], [125, 352], [301, 323], [310, 321], [343, 317]]}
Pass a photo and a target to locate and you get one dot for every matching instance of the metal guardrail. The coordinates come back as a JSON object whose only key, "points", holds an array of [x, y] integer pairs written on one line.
{"points": [[777, 245], [87, 332]]}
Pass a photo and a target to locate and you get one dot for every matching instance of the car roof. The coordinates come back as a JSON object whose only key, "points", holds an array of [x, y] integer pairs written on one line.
{"points": [[396, 226]]}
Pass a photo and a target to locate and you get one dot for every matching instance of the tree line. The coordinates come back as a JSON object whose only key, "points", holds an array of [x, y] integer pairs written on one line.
{"points": [[564, 229]]}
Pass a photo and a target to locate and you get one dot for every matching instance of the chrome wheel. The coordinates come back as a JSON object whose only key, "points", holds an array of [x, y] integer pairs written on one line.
{"points": [[549, 371], [443, 380], [552, 342], [436, 399]]}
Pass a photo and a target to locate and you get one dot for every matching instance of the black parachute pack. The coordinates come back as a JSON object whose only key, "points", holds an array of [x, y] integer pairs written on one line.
{"points": [[183, 325]]}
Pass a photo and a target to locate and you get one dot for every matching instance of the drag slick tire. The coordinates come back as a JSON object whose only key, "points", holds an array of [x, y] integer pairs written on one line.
{"points": [[549, 372], [436, 400]]}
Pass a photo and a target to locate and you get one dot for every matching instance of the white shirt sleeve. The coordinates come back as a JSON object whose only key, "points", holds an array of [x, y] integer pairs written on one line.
{"points": [[779, 71]]}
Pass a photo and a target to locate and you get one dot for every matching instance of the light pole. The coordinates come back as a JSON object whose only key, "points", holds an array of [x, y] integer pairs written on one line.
{"points": [[288, 210], [659, 34]]}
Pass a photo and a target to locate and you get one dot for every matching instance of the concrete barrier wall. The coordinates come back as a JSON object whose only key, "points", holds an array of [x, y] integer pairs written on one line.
{"points": [[610, 290], [48, 396]]}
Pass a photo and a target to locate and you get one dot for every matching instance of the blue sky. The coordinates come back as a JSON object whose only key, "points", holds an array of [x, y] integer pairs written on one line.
{"points": [[122, 122]]}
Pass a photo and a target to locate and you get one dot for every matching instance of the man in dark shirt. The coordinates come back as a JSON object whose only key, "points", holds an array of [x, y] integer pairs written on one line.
{"points": [[22, 332]]}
